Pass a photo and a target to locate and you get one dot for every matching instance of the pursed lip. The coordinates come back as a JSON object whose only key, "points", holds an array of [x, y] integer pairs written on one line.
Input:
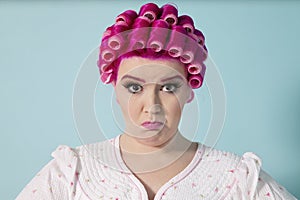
{"points": [[152, 125]]}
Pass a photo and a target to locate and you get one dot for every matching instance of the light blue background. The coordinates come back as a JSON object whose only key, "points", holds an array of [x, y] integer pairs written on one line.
{"points": [[255, 45]]}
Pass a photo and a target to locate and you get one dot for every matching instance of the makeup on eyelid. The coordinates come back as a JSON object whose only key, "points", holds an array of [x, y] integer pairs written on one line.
{"points": [[129, 84]]}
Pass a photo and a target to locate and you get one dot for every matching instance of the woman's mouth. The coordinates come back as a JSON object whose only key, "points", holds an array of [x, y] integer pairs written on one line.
{"points": [[152, 125]]}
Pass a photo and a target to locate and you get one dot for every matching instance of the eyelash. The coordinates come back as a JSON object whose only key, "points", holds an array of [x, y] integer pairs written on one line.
{"points": [[127, 85]]}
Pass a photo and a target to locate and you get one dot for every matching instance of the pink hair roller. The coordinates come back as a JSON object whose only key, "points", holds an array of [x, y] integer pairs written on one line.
{"points": [[176, 41], [197, 66], [157, 28], [195, 81], [101, 64], [138, 36], [169, 14], [200, 37], [126, 18], [116, 39], [150, 11], [194, 68], [158, 35], [189, 51], [200, 55], [107, 54], [105, 66], [186, 22], [107, 33]]}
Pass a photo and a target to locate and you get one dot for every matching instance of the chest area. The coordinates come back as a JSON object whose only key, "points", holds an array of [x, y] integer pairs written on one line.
{"points": [[202, 183]]}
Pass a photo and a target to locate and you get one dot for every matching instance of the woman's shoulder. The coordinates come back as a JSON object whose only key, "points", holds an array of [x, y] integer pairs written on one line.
{"points": [[229, 159], [225, 165], [58, 179], [246, 173], [65, 154]]}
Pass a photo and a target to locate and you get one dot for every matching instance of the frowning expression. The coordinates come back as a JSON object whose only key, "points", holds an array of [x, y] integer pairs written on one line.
{"points": [[151, 94]]}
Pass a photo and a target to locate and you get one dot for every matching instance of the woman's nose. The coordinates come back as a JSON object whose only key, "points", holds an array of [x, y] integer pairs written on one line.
{"points": [[152, 102], [154, 109]]}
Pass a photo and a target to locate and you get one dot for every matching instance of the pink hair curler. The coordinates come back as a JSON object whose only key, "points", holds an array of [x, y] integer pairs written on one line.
{"points": [[117, 38], [139, 34], [199, 37], [158, 35], [126, 18], [147, 34], [105, 66], [194, 68], [186, 22], [150, 11], [107, 54], [176, 41], [189, 51], [195, 81], [170, 14], [107, 33]]}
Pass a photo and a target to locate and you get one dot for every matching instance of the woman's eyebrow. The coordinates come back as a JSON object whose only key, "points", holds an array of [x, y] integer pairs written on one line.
{"points": [[133, 77], [142, 80], [172, 77]]}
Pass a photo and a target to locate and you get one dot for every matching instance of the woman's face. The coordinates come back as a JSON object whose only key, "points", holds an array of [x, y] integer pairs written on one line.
{"points": [[151, 94]]}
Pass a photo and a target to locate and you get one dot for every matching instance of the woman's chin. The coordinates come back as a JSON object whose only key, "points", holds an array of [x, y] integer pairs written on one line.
{"points": [[153, 138]]}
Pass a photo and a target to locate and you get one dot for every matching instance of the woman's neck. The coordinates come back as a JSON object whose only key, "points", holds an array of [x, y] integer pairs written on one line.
{"points": [[144, 158]]}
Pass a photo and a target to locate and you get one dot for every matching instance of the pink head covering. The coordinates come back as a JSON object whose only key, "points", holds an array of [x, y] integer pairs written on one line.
{"points": [[153, 33]]}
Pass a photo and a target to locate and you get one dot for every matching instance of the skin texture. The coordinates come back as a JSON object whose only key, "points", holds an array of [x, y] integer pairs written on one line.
{"points": [[143, 93]]}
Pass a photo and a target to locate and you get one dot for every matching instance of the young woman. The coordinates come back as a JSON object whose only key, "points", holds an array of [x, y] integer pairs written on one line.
{"points": [[154, 59]]}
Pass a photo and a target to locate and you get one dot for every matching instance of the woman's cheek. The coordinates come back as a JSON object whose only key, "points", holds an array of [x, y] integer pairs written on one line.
{"points": [[133, 108], [173, 101]]}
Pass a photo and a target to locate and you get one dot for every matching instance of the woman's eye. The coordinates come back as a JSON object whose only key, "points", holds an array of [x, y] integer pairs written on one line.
{"points": [[169, 88], [134, 88]]}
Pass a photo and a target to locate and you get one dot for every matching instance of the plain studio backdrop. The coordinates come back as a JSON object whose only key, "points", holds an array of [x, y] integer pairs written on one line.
{"points": [[43, 43]]}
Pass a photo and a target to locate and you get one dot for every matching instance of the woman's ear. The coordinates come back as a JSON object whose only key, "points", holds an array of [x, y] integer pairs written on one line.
{"points": [[117, 100], [114, 84], [191, 97]]}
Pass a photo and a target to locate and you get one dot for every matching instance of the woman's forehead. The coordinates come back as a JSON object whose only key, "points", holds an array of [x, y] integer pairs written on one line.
{"points": [[151, 70]]}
